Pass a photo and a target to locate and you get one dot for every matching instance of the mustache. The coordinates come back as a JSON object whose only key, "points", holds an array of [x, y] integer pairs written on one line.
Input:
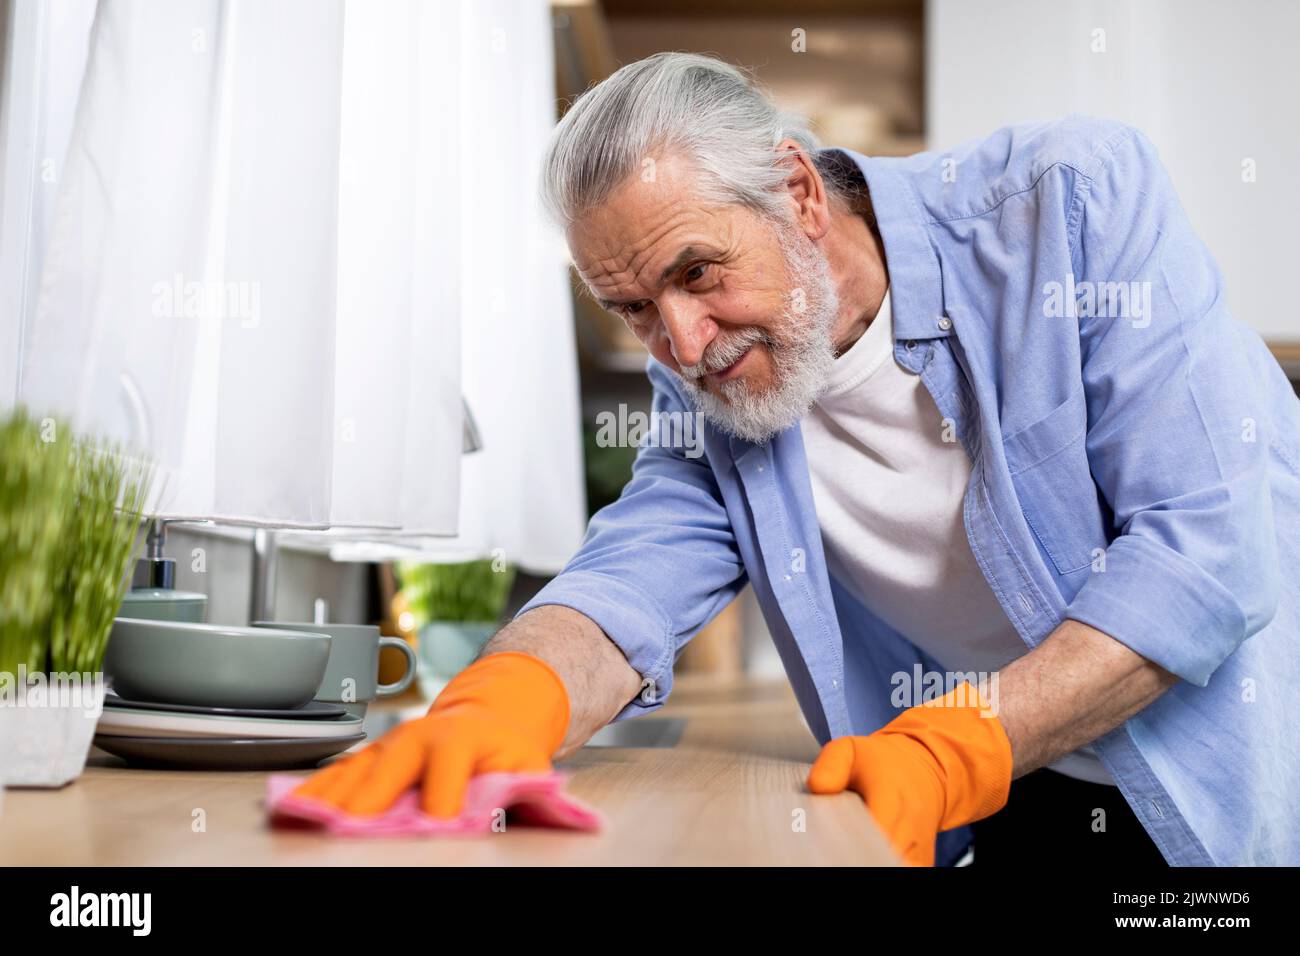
{"points": [[722, 353]]}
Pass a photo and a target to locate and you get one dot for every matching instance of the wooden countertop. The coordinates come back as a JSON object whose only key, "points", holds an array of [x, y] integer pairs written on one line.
{"points": [[728, 793]]}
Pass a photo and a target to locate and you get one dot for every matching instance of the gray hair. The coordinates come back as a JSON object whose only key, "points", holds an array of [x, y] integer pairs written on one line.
{"points": [[706, 109]]}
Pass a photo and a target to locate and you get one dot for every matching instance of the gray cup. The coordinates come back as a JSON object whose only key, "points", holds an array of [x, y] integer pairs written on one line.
{"points": [[352, 673]]}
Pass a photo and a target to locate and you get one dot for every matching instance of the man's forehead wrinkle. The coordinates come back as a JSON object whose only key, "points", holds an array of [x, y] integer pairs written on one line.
{"points": [[638, 254]]}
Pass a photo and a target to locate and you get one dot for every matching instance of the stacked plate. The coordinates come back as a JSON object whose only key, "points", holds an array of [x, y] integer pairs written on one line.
{"points": [[230, 738], [197, 696]]}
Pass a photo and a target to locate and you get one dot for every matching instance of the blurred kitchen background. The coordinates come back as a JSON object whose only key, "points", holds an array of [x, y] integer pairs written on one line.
{"points": [[1211, 83]]}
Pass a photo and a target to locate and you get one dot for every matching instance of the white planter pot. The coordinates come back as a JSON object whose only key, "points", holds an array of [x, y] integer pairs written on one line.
{"points": [[45, 744]]}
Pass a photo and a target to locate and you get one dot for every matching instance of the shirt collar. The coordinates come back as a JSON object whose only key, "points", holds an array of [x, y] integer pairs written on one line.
{"points": [[915, 281]]}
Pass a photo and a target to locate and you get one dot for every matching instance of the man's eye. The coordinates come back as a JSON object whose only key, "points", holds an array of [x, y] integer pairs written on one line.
{"points": [[696, 272], [632, 308]]}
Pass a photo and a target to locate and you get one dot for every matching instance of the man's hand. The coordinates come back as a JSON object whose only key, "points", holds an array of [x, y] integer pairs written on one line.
{"points": [[505, 712], [933, 767]]}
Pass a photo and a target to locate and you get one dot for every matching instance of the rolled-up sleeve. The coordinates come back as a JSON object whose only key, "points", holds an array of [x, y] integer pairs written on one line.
{"points": [[659, 563], [1177, 429]]}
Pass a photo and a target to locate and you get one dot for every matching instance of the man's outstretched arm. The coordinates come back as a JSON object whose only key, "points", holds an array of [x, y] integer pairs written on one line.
{"points": [[596, 644], [597, 676]]}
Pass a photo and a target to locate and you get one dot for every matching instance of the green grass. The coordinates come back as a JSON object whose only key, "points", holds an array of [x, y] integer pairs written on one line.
{"points": [[69, 511], [467, 591]]}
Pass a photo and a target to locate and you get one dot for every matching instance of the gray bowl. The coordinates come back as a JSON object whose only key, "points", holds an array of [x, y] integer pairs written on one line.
{"points": [[209, 665]]}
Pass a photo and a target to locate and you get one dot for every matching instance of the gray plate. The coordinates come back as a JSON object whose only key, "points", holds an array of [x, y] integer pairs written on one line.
{"points": [[312, 710], [225, 753]]}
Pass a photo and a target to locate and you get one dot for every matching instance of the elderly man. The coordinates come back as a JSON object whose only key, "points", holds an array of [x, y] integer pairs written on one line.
{"points": [[1020, 500]]}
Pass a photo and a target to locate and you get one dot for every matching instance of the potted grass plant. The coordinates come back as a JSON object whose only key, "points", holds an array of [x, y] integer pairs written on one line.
{"points": [[70, 508], [457, 607]]}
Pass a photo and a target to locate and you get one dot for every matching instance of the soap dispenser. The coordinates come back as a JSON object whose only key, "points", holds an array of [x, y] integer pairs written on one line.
{"points": [[153, 593]]}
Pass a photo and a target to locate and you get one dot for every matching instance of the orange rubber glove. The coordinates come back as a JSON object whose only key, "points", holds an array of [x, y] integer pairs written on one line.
{"points": [[506, 711], [933, 767]]}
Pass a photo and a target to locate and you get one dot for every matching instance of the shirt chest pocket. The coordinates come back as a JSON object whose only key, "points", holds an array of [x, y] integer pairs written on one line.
{"points": [[1049, 468]]}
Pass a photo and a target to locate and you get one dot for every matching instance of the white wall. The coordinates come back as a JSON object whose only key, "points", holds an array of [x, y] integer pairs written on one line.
{"points": [[1211, 82]]}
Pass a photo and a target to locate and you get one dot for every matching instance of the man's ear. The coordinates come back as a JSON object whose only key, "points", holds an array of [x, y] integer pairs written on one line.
{"points": [[805, 188]]}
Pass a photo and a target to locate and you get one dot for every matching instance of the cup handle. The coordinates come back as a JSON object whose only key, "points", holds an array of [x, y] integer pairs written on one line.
{"points": [[388, 690]]}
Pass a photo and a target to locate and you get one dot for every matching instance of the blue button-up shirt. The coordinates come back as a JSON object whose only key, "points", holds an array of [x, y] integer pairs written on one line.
{"points": [[1135, 466]]}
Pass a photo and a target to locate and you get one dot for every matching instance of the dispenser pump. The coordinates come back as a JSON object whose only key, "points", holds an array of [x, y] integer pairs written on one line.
{"points": [[154, 570]]}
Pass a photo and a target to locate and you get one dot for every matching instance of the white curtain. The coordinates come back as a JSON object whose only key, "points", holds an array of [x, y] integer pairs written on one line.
{"points": [[522, 495], [279, 228], [43, 65]]}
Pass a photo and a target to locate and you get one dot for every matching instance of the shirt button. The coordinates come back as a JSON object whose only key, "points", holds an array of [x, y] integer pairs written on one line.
{"points": [[945, 323], [909, 345], [648, 690], [760, 467]]}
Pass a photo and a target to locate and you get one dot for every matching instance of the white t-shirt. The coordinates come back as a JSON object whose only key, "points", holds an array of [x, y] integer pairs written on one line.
{"points": [[888, 491]]}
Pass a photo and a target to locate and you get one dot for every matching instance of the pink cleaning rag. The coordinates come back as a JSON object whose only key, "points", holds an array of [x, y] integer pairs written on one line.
{"points": [[529, 798]]}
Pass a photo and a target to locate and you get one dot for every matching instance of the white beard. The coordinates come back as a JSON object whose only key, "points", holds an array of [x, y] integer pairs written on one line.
{"points": [[802, 357]]}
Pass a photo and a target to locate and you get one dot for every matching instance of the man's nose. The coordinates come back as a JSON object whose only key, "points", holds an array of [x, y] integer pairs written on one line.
{"points": [[689, 328]]}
